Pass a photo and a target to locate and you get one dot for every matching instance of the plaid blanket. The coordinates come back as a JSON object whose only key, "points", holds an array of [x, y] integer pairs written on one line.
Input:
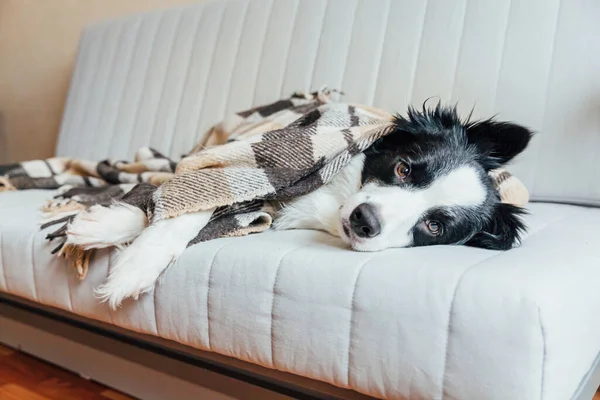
{"points": [[270, 153]]}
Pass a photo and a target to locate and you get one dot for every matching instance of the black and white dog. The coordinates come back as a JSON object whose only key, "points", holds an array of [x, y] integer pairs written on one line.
{"points": [[425, 183]]}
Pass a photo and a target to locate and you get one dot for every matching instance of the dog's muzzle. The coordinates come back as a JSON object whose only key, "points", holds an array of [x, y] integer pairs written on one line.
{"points": [[364, 221]]}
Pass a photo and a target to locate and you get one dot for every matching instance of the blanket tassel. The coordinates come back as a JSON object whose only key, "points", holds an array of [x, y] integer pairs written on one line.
{"points": [[81, 258]]}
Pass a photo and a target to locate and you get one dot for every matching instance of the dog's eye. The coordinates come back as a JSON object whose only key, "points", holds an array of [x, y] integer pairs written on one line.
{"points": [[434, 227], [402, 170]]}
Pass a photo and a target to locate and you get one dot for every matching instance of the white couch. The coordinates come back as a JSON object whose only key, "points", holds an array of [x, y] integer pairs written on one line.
{"points": [[436, 322]]}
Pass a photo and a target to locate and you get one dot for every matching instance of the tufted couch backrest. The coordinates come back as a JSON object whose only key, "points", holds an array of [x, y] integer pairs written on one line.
{"points": [[163, 78]]}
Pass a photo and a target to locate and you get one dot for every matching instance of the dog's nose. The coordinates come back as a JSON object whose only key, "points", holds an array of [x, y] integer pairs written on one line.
{"points": [[364, 222]]}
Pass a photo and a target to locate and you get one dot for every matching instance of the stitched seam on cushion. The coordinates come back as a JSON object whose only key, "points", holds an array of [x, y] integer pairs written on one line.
{"points": [[411, 91], [358, 274], [208, 73], [70, 295], [108, 264], [122, 91], [543, 369], [460, 46], [456, 290], [311, 75], [451, 312], [210, 268], [545, 109], [273, 301], [262, 51], [186, 78], [154, 303], [235, 58], [345, 58], [63, 144], [165, 77], [154, 290], [35, 293], [140, 98], [502, 54], [110, 74], [108, 256], [289, 45], [3, 264], [86, 102], [382, 40], [101, 93]]}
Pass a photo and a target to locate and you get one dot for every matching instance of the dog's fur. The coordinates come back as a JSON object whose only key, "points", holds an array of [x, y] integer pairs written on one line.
{"points": [[425, 183]]}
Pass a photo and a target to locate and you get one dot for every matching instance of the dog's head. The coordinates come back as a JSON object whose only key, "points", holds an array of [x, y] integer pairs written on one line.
{"points": [[426, 183]]}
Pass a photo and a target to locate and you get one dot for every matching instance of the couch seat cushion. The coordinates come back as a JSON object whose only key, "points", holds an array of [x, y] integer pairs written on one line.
{"points": [[413, 322]]}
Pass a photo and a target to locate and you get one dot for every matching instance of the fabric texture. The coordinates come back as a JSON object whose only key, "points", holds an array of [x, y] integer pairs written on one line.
{"points": [[149, 166], [274, 165]]}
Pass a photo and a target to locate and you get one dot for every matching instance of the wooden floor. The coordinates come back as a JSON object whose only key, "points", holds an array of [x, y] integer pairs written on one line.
{"points": [[23, 377]]}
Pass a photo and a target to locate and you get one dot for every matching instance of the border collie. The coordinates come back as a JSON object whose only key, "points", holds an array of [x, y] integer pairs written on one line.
{"points": [[425, 183]]}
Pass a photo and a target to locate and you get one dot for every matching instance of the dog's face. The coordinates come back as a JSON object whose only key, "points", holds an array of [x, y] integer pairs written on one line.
{"points": [[426, 183]]}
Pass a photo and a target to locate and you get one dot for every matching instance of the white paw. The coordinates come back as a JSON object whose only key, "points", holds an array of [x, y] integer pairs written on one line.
{"points": [[63, 189], [101, 227], [137, 267]]}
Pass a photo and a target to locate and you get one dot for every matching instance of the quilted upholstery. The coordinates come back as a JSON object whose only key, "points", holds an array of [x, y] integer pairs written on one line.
{"points": [[410, 322], [164, 77]]}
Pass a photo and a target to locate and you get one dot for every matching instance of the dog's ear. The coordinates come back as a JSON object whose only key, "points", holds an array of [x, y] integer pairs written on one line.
{"points": [[503, 230], [498, 142]]}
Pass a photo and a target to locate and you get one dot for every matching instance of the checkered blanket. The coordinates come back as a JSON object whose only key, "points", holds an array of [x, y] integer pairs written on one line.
{"points": [[270, 153]]}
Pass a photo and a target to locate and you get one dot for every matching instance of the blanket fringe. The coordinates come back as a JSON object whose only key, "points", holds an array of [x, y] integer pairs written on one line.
{"points": [[81, 258], [57, 207]]}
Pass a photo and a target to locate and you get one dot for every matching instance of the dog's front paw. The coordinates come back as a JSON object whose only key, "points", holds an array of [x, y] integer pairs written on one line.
{"points": [[130, 279], [101, 227], [134, 272], [138, 266]]}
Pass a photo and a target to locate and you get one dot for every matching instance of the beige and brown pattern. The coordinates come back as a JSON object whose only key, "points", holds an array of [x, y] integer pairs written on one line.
{"points": [[287, 162]]}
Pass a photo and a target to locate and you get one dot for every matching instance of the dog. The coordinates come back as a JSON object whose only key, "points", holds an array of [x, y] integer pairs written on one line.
{"points": [[425, 183]]}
